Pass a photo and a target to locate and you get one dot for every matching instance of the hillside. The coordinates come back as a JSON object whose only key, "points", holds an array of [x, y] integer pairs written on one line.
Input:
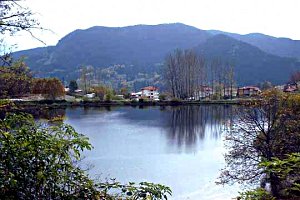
{"points": [[252, 65], [283, 47], [139, 45], [142, 49]]}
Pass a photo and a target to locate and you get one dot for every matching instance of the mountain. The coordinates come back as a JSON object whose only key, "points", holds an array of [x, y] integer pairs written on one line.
{"points": [[141, 49], [139, 45], [252, 65], [283, 47]]}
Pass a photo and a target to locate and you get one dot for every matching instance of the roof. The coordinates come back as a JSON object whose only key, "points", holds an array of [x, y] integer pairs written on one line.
{"points": [[290, 88], [150, 88]]}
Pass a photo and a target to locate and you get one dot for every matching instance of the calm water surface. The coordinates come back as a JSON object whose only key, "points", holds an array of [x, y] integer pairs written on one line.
{"points": [[181, 147]]}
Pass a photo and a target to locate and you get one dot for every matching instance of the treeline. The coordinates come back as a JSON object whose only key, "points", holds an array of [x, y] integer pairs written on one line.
{"points": [[186, 74], [91, 82], [17, 81]]}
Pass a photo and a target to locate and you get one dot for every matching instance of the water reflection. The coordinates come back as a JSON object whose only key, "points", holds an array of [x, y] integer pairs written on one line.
{"points": [[39, 113], [183, 126], [177, 146], [188, 125]]}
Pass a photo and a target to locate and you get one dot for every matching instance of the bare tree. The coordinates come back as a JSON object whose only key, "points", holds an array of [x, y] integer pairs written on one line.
{"points": [[14, 17], [261, 131], [295, 78], [182, 73]]}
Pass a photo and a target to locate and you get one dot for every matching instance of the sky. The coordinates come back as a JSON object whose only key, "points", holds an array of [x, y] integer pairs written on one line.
{"points": [[279, 18]]}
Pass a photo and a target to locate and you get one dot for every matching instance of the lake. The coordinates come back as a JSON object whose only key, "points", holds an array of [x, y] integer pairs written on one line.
{"points": [[181, 147]]}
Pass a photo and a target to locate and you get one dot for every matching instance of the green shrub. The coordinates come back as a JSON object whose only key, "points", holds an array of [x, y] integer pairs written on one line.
{"points": [[38, 161], [4, 102], [257, 194]]}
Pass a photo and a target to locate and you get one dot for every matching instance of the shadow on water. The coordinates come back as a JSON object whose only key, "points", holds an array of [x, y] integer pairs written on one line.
{"points": [[39, 113], [188, 125]]}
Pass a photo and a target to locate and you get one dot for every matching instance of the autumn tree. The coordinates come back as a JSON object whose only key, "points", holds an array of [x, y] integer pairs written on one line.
{"points": [[125, 92], [15, 80], [50, 88], [265, 129], [103, 92]]}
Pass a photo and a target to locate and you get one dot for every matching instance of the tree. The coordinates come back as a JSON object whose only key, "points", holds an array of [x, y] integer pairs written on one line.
{"points": [[288, 170], [14, 18], [50, 88], [15, 80], [267, 128], [100, 91], [73, 86], [103, 92], [295, 78], [266, 85], [181, 71], [39, 161], [86, 74], [124, 91]]}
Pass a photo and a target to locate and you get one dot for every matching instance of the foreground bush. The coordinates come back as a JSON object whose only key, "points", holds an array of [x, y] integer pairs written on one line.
{"points": [[40, 162]]}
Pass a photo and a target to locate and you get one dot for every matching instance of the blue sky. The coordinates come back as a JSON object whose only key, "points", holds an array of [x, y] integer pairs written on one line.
{"points": [[278, 18]]}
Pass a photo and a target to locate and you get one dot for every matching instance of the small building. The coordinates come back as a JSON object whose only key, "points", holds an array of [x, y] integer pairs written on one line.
{"points": [[280, 87], [135, 95], [248, 91], [290, 88], [203, 92], [150, 92], [120, 96], [67, 89], [230, 92], [78, 91], [90, 95]]}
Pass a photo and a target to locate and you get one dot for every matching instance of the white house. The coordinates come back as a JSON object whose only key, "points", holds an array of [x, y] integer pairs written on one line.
{"points": [[149, 92]]}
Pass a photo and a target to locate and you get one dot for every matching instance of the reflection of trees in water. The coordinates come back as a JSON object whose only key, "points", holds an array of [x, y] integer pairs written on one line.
{"points": [[40, 113], [189, 124]]}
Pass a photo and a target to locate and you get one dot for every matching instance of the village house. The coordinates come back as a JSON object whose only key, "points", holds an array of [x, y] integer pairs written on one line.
{"points": [[248, 91], [203, 92], [290, 88], [135, 95], [149, 92], [230, 92]]}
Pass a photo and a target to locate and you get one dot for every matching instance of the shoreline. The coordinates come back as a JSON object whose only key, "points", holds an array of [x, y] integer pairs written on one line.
{"points": [[15, 105]]}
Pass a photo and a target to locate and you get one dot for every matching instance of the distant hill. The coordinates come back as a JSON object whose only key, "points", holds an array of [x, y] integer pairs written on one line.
{"points": [[142, 49], [252, 65], [283, 47], [139, 45]]}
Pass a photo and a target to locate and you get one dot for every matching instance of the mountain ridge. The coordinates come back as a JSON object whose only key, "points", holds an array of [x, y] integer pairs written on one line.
{"points": [[145, 46]]}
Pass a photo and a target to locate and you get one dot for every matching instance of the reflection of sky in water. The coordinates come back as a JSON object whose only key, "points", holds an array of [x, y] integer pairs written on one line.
{"points": [[180, 147]]}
